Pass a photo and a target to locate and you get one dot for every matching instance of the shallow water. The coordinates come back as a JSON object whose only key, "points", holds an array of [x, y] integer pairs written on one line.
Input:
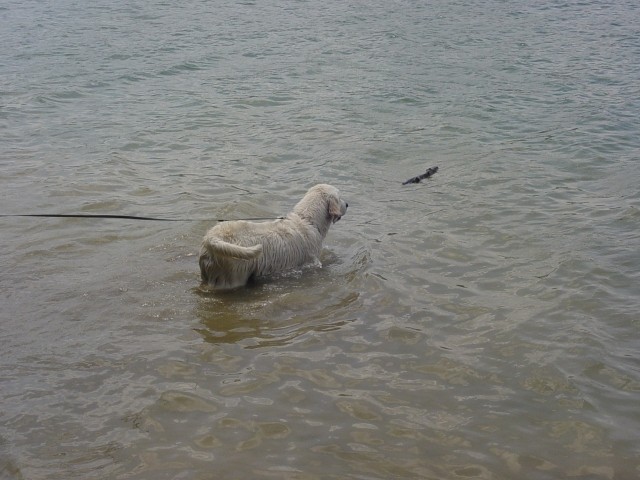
{"points": [[480, 324]]}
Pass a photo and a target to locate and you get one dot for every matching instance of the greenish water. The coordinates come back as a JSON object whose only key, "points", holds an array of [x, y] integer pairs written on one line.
{"points": [[481, 324]]}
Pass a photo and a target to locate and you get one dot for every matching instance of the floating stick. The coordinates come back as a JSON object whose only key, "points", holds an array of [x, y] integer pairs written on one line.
{"points": [[427, 174]]}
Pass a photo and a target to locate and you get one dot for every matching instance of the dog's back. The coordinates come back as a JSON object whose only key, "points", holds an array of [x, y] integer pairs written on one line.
{"points": [[234, 252]]}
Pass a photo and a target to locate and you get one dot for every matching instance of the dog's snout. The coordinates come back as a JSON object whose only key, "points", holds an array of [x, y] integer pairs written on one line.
{"points": [[347, 204]]}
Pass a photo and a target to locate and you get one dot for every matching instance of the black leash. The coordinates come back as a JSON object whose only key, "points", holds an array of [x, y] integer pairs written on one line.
{"points": [[130, 217], [430, 172]]}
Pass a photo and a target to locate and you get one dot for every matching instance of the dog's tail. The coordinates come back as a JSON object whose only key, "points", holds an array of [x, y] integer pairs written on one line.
{"points": [[226, 249]]}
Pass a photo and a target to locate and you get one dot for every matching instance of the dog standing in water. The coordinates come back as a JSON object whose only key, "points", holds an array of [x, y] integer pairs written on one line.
{"points": [[234, 252]]}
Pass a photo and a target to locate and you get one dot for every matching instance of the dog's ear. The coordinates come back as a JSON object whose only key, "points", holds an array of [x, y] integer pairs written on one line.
{"points": [[335, 213]]}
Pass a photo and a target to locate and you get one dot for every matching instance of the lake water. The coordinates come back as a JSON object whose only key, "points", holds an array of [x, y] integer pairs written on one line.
{"points": [[481, 324]]}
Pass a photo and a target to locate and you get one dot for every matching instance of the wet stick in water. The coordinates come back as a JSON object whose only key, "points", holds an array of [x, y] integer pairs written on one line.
{"points": [[430, 171]]}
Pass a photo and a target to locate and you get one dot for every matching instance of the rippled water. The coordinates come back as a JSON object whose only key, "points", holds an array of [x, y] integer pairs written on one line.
{"points": [[481, 324]]}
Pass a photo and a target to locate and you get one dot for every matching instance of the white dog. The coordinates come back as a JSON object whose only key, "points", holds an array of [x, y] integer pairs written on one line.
{"points": [[234, 252]]}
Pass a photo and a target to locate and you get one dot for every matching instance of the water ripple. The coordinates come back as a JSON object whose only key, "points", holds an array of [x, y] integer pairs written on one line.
{"points": [[451, 321]]}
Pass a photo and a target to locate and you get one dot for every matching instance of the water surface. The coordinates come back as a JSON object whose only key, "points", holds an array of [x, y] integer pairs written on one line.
{"points": [[480, 324]]}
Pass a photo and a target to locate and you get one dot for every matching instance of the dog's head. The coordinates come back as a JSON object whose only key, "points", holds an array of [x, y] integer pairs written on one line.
{"points": [[337, 206], [322, 203]]}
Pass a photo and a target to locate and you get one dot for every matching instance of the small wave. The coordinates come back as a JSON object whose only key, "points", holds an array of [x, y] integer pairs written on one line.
{"points": [[182, 68]]}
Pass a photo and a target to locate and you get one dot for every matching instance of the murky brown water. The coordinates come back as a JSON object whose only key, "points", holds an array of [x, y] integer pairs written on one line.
{"points": [[481, 324]]}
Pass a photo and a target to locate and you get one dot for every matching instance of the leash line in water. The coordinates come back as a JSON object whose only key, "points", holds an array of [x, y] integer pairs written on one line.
{"points": [[131, 217], [107, 216]]}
